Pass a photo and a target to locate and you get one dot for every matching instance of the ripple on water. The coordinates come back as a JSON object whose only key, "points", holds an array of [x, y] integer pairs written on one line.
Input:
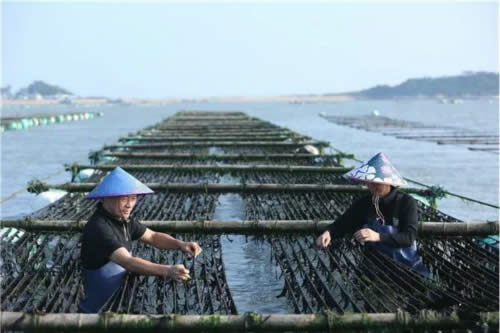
{"points": [[251, 276]]}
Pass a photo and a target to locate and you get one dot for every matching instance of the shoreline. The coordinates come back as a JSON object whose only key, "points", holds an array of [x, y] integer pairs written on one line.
{"points": [[161, 101], [298, 99]]}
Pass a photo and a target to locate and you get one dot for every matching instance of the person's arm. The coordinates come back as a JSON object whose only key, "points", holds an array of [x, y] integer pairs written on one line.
{"points": [[122, 257], [407, 230], [347, 223], [164, 241]]}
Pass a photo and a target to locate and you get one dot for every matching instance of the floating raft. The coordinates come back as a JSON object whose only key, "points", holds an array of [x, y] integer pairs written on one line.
{"points": [[28, 121], [342, 287], [410, 130]]}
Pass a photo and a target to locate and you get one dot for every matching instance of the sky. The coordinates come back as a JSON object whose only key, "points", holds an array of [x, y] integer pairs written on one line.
{"points": [[167, 49]]}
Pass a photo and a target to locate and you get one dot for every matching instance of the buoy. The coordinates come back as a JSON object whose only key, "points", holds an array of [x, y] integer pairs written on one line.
{"points": [[60, 118], [26, 123], [84, 174], [46, 198], [308, 149], [12, 125]]}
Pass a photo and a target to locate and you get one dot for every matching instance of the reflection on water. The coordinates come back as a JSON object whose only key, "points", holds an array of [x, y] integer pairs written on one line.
{"points": [[252, 278]]}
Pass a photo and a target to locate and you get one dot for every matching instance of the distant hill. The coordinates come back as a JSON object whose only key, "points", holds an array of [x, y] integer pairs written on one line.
{"points": [[470, 84], [43, 89]]}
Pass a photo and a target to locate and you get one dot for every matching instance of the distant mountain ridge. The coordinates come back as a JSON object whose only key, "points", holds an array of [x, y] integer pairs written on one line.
{"points": [[469, 84]]}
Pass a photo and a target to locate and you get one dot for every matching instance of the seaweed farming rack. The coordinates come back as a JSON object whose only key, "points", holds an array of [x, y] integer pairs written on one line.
{"points": [[193, 158], [412, 130]]}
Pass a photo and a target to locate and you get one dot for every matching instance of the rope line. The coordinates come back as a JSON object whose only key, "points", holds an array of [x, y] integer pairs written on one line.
{"points": [[14, 194]]}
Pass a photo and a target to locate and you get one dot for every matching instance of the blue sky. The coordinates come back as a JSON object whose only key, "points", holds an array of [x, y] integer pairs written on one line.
{"points": [[159, 50]]}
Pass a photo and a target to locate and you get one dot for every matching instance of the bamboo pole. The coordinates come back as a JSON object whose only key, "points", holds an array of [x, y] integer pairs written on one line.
{"points": [[217, 133], [444, 136], [219, 127], [218, 123], [218, 130], [219, 157], [200, 113], [483, 149], [211, 118], [248, 322], [222, 144], [38, 187], [206, 138], [216, 120], [218, 168], [425, 229], [466, 142]]}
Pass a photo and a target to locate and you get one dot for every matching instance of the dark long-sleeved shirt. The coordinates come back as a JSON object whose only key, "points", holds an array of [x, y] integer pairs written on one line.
{"points": [[363, 211]]}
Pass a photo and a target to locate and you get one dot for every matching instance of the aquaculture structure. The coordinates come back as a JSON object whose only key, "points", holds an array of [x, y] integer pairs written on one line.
{"points": [[412, 130], [190, 160], [28, 121]]}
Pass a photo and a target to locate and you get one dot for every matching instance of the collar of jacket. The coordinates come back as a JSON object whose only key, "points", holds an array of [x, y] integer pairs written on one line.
{"points": [[389, 198]]}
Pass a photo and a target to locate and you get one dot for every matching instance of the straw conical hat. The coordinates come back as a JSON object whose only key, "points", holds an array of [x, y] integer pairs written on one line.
{"points": [[377, 170], [118, 183]]}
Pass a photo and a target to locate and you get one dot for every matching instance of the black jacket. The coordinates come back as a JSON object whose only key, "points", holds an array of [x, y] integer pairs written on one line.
{"points": [[363, 211], [103, 234]]}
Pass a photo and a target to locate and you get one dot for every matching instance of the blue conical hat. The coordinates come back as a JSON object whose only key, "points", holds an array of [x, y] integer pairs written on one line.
{"points": [[118, 183], [377, 170]]}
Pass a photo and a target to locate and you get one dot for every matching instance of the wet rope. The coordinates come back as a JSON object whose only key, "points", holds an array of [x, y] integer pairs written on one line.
{"points": [[24, 189], [429, 186]]}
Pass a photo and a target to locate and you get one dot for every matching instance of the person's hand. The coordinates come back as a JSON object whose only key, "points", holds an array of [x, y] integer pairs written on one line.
{"points": [[178, 273], [190, 247], [323, 240], [367, 235]]}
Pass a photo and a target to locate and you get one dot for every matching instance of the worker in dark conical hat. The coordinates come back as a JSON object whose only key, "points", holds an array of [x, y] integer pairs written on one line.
{"points": [[385, 220], [107, 241]]}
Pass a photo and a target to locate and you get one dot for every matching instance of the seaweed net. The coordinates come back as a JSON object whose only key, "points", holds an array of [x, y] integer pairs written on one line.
{"points": [[463, 274], [41, 271]]}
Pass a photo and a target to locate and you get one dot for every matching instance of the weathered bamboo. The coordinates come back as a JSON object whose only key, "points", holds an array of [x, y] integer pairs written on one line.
{"points": [[206, 138], [218, 168], [218, 120], [220, 128], [212, 118], [425, 229], [203, 134], [483, 148], [38, 187], [268, 131], [248, 322], [225, 157], [203, 113], [466, 142], [222, 144], [444, 136]]}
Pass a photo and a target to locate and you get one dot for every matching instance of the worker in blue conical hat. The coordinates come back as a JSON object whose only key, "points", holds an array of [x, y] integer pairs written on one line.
{"points": [[385, 220], [107, 241]]}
